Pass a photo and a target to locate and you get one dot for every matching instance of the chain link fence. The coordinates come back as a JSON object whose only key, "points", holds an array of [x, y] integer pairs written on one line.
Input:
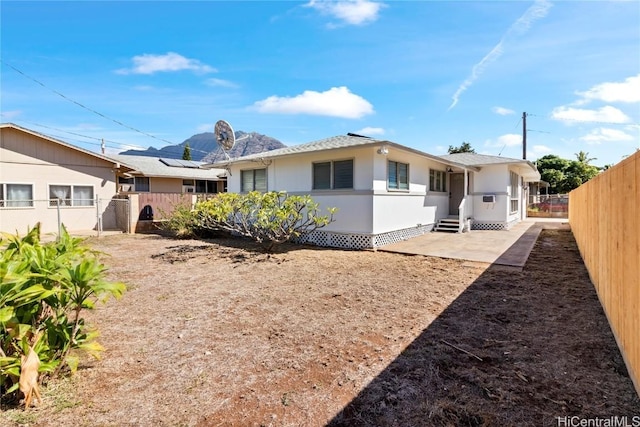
{"points": [[85, 217]]}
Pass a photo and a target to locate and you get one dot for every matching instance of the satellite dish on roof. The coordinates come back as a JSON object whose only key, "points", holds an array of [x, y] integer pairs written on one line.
{"points": [[224, 135]]}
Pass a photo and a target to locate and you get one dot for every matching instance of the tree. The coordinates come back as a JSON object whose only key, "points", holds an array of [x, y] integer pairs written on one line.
{"points": [[186, 154], [464, 148], [565, 175], [584, 157], [268, 218]]}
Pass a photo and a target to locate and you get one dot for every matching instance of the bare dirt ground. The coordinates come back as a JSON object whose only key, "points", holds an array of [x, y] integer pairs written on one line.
{"points": [[216, 333]]}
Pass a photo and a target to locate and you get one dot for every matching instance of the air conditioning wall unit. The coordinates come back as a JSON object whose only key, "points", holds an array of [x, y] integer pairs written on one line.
{"points": [[489, 198], [188, 189], [126, 187]]}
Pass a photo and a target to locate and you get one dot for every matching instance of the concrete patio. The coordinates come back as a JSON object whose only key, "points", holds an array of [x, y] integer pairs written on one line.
{"points": [[505, 247]]}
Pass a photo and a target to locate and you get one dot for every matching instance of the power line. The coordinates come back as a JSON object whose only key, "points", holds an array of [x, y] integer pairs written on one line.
{"points": [[118, 145], [584, 121], [84, 106]]}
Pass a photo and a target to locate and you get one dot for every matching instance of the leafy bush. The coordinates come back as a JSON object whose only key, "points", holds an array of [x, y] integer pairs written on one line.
{"points": [[43, 289], [181, 222], [268, 218]]}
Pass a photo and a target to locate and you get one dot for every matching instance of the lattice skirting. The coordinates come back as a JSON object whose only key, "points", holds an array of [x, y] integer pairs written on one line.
{"points": [[493, 225], [488, 225], [361, 241]]}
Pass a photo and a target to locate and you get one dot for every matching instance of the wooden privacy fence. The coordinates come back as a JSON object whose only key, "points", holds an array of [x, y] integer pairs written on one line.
{"points": [[604, 218]]}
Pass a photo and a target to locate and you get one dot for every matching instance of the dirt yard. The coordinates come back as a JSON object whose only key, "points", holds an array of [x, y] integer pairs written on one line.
{"points": [[216, 333]]}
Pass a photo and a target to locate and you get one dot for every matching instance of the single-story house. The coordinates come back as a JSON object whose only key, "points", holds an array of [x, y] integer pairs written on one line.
{"points": [[386, 192], [45, 180]]}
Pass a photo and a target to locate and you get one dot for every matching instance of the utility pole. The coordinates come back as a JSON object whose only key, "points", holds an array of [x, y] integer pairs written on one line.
{"points": [[524, 136]]}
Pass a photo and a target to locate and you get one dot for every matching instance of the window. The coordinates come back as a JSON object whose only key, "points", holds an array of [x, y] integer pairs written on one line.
{"points": [[253, 180], [333, 175], [139, 183], [515, 184], [398, 176], [437, 181], [205, 186], [71, 195], [142, 184], [16, 195]]}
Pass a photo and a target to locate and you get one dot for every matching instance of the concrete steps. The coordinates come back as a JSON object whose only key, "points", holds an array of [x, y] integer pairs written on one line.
{"points": [[451, 225]]}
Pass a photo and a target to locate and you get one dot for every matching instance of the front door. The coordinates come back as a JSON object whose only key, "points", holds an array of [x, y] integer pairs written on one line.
{"points": [[456, 192]]}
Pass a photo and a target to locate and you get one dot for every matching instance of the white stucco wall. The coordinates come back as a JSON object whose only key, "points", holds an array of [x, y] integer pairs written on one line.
{"points": [[28, 159], [370, 208]]}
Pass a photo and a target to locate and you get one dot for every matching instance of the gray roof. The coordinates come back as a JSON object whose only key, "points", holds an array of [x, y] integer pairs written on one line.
{"points": [[479, 160], [341, 141], [473, 159], [335, 142], [154, 167]]}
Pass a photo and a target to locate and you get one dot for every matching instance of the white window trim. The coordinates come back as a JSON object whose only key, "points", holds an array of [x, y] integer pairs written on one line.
{"points": [[332, 173], [266, 179], [515, 189], [5, 200], [443, 181], [72, 206], [401, 190]]}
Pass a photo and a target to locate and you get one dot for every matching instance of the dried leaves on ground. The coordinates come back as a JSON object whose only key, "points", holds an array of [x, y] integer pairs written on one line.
{"points": [[217, 333]]}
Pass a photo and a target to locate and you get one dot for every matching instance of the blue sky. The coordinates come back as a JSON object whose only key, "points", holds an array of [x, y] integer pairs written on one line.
{"points": [[426, 74]]}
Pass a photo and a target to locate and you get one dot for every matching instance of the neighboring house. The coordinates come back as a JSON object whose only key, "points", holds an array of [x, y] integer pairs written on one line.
{"points": [[155, 186], [163, 175], [46, 180], [386, 192]]}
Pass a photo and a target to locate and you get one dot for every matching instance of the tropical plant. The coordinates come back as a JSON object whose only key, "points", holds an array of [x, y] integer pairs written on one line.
{"points": [[44, 287], [268, 218]]}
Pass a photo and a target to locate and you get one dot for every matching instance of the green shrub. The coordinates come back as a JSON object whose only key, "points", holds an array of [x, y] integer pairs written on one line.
{"points": [[268, 218], [44, 287]]}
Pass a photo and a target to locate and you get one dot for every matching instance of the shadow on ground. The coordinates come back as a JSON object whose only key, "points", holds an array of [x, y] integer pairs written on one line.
{"points": [[516, 348]]}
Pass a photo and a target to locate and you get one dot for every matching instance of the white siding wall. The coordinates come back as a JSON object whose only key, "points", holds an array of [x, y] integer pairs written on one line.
{"points": [[369, 208], [491, 180], [27, 159], [294, 175]]}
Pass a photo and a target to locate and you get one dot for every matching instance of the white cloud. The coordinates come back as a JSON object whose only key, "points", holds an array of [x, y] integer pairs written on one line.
{"points": [[605, 114], [537, 11], [502, 111], [335, 102], [600, 135], [10, 115], [510, 140], [626, 91], [149, 64], [507, 140], [205, 128], [351, 12], [541, 149], [370, 131], [441, 149], [220, 83]]}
